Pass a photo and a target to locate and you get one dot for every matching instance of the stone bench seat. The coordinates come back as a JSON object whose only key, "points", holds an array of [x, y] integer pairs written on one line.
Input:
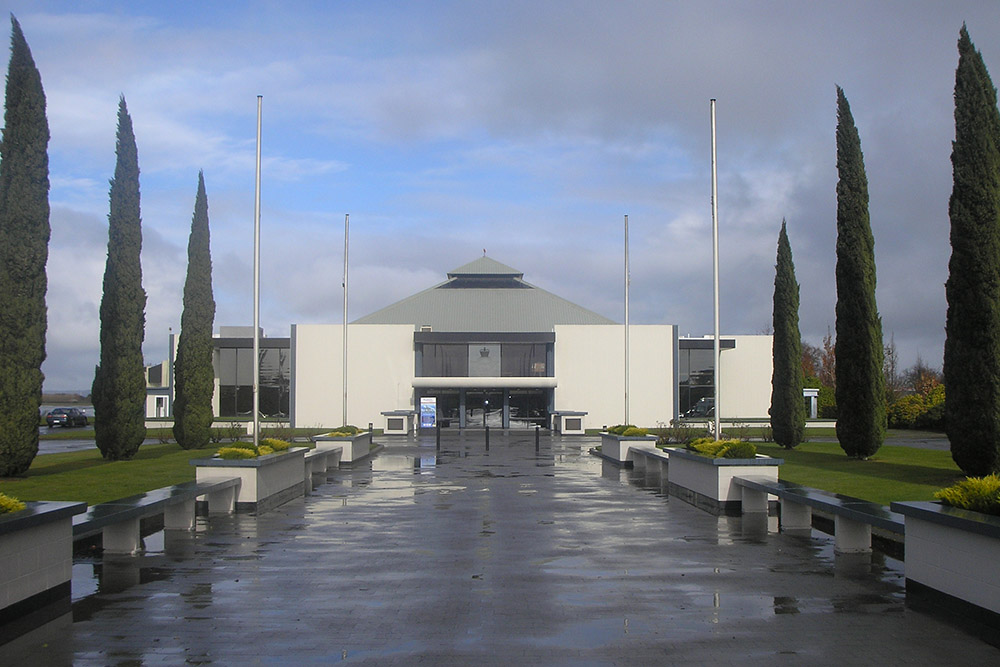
{"points": [[644, 457], [853, 517], [318, 462], [118, 520]]}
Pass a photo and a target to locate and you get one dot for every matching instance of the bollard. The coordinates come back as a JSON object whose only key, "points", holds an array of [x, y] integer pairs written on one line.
{"points": [[437, 435], [487, 438], [536, 438], [371, 427]]}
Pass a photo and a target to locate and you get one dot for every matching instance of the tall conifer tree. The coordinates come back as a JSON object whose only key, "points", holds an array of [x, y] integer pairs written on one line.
{"points": [[194, 378], [788, 412], [861, 423], [119, 390], [24, 249], [972, 343]]}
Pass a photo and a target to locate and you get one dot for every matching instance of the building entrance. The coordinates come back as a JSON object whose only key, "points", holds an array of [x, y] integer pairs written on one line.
{"points": [[496, 408], [484, 408]]}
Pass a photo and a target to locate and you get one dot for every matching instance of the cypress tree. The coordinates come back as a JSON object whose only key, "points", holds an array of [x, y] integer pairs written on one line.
{"points": [[119, 390], [861, 423], [788, 411], [972, 343], [24, 249], [194, 377]]}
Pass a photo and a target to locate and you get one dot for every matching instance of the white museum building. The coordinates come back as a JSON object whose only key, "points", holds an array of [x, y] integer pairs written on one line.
{"points": [[482, 347]]}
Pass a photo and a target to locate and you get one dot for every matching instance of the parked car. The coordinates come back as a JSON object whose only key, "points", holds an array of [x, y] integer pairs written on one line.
{"points": [[66, 417], [705, 407]]}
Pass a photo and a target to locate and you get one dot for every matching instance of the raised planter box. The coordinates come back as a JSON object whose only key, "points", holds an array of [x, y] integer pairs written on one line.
{"points": [[708, 483], [353, 447], [954, 555], [617, 447], [265, 482], [36, 552]]}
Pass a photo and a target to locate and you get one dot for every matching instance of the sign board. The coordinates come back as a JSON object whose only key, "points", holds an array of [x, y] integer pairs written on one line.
{"points": [[428, 411]]}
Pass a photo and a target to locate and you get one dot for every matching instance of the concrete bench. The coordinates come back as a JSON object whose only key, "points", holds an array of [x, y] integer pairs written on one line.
{"points": [[318, 461], [853, 517], [117, 521], [649, 459]]}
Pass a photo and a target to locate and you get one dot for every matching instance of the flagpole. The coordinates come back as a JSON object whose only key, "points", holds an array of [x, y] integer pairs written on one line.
{"points": [[628, 280], [347, 218], [715, 271], [256, 288]]}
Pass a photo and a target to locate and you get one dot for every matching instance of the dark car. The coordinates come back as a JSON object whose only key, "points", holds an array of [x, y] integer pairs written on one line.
{"points": [[66, 417], [705, 407]]}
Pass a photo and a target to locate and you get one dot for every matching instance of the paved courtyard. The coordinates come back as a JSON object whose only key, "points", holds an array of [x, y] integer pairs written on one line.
{"points": [[467, 556]]}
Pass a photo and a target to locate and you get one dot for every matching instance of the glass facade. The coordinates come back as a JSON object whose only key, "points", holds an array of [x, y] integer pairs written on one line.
{"points": [[528, 408], [523, 360], [696, 380], [234, 368], [445, 360], [484, 360]]}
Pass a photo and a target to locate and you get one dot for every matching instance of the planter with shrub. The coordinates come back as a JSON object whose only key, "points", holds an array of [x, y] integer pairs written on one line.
{"points": [[702, 474], [36, 549], [270, 475], [617, 442], [353, 443], [953, 547]]}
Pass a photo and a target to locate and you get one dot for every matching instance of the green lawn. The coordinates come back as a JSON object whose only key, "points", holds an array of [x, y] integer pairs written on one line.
{"points": [[894, 473], [85, 476]]}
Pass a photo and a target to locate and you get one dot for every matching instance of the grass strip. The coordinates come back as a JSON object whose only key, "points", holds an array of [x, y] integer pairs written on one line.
{"points": [[84, 475], [894, 473]]}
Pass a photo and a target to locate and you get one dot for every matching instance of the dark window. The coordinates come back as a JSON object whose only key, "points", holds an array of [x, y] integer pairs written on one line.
{"points": [[696, 377], [235, 371], [444, 360], [528, 407], [523, 360]]}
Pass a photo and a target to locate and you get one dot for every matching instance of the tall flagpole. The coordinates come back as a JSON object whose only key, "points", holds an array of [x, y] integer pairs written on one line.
{"points": [[715, 271], [256, 289], [347, 218], [628, 279]]}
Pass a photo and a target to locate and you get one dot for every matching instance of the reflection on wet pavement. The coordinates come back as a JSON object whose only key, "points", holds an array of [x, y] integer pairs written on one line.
{"points": [[463, 556]]}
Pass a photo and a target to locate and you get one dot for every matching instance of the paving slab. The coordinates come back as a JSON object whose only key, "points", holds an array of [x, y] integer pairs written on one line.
{"points": [[507, 556]]}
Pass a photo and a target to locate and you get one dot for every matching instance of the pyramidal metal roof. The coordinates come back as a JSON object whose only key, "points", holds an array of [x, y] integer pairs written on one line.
{"points": [[485, 266], [484, 296]]}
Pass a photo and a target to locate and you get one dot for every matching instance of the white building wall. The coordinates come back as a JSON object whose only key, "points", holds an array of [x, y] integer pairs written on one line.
{"points": [[380, 373], [745, 378], [589, 368]]}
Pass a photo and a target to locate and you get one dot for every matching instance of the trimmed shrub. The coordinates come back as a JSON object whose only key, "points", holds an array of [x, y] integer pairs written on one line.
{"points": [[740, 450], [236, 453], [264, 450], [634, 431], [9, 504], [242, 445], [276, 445], [719, 449], [979, 494]]}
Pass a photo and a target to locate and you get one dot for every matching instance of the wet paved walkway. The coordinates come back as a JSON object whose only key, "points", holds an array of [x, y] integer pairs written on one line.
{"points": [[506, 557]]}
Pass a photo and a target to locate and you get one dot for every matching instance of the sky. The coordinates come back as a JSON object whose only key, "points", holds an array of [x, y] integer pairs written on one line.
{"points": [[525, 129]]}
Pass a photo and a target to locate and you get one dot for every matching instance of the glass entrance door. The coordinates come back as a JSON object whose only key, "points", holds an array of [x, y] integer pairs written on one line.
{"points": [[480, 403]]}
